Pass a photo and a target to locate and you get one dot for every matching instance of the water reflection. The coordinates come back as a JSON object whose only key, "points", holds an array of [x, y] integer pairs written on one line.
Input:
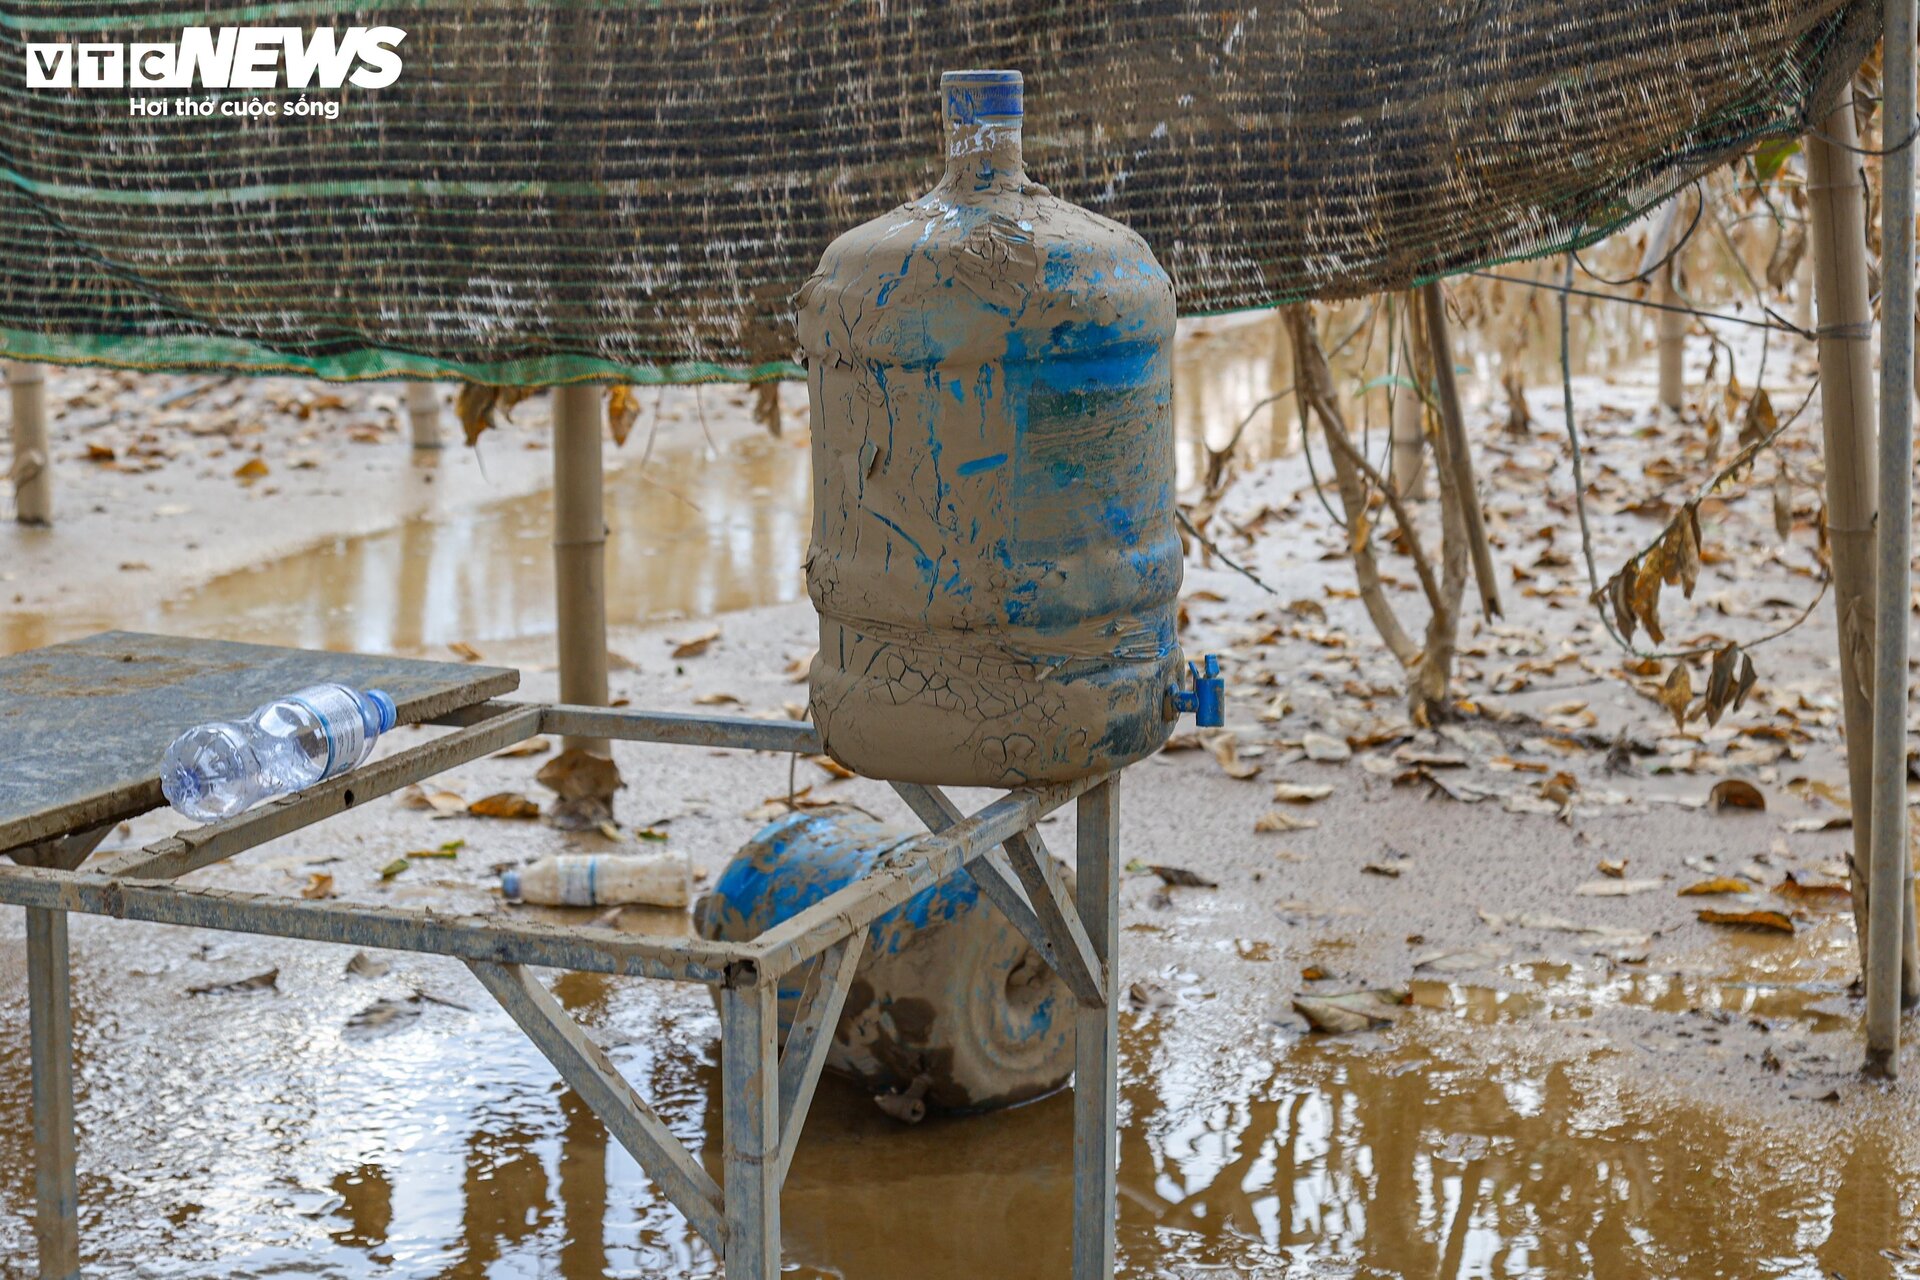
{"points": [[243, 1136]]}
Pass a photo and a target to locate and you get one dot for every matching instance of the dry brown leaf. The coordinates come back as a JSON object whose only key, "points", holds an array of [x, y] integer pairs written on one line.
{"points": [[1735, 793], [1276, 820], [1300, 793], [1353, 1011], [1813, 892], [463, 651], [716, 700], [575, 774], [504, 804], [1676, 695], [1611, 888], [319, 885], [251, 469], [474, 406], [623, 406], [1181, 878], [535, 746], [1614, 867], [439, 800], [1775, 920], [694, 647], [1718, 884], [833, 766]]}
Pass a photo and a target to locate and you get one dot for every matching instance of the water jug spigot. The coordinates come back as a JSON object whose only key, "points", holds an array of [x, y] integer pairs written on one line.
{"points": [[1207, 700]]}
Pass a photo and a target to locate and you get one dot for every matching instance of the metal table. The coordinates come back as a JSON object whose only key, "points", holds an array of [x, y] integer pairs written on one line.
{"points": [[82, 729]]}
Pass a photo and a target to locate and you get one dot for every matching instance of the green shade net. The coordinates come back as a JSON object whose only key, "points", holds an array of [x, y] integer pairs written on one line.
{"points": [[567, 190]]}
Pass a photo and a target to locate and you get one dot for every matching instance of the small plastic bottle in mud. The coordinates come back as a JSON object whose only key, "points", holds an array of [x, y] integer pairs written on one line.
{"points": [[602, 880], [217, 770]]}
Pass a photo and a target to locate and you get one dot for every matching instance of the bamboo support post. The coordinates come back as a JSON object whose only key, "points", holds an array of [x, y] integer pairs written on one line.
{"points": [[579, 552], [1837, 229], [32, 469], [1670, 334], [1409, 429], [1453, 426], [423, 414], [1890, 906]]}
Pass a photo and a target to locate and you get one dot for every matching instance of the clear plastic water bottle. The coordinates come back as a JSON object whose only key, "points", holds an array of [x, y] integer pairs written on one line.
{"points": [[217, 770]]}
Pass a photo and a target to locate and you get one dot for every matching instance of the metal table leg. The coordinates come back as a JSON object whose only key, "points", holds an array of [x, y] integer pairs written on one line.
{"points": [[750, 1119], [56, 1223], [1096, 1154]]}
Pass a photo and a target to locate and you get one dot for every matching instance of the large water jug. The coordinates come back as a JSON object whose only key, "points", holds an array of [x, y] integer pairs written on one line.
{"points": [[994, 559]]}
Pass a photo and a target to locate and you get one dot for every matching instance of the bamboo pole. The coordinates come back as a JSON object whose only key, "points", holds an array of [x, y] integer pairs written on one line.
{"points": [[579, 552], [1889, 922], [32, 469], [1670, 331], [1838, 249], [423, 413], [1409, 430], [1433, 304]]}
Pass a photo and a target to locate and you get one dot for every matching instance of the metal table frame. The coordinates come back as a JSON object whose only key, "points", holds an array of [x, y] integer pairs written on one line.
{"points": [[767, 1087]]}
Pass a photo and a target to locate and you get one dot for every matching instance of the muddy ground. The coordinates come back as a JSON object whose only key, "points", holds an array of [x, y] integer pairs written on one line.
{"points": [[1586, 1080]]}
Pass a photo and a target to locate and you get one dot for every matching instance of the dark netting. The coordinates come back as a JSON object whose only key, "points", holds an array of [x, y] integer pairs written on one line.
{"points": [[562, 189]]}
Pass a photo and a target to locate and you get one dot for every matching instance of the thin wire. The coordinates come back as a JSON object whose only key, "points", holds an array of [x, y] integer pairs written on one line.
{"points": [[1783, 325], [1699, 210], [1573, 438]]}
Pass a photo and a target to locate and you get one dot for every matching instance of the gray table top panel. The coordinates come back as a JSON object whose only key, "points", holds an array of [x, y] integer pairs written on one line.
{"points": [[83, 724]]}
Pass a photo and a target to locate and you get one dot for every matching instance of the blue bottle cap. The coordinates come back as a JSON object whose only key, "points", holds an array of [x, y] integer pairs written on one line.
{"points": [[383, 702], [510, 883], [976, 96]]}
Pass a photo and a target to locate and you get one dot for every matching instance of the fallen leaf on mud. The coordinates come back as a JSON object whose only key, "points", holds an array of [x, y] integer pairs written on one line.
{"points": [[1313, 973], [1616, 888], [1226, 751], [531, 747], [1181, 878], [1776, 920], [694, 647], [383, 1016], [1615, 867], [1735, 793], [832, 766], [575, 774], [97, 452], [394, 868], [1559, 788], [716, 700], [446, 849], [250, 470], [504, 804], [1275, 820], [319, 885], [1461, 959], [1813, 892], [1299, 793], [1353, 1011], [1326, 749], [463, 651], [362, 965], [1837, 822], [1719, 884], [1147, 997], [268, 981], [441, 802], [1391, 870]]}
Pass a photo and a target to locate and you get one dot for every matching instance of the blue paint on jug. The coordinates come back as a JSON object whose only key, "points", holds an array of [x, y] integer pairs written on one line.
{"points": [[946, 991], [995, 559]]}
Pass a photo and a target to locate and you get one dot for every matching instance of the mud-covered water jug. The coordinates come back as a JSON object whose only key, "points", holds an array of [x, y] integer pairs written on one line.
{"points": [[950, 1009], [994, 557]]}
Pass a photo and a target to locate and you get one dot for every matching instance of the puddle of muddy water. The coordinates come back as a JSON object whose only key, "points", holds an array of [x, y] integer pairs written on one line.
{"points": [[258, 1135]]}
